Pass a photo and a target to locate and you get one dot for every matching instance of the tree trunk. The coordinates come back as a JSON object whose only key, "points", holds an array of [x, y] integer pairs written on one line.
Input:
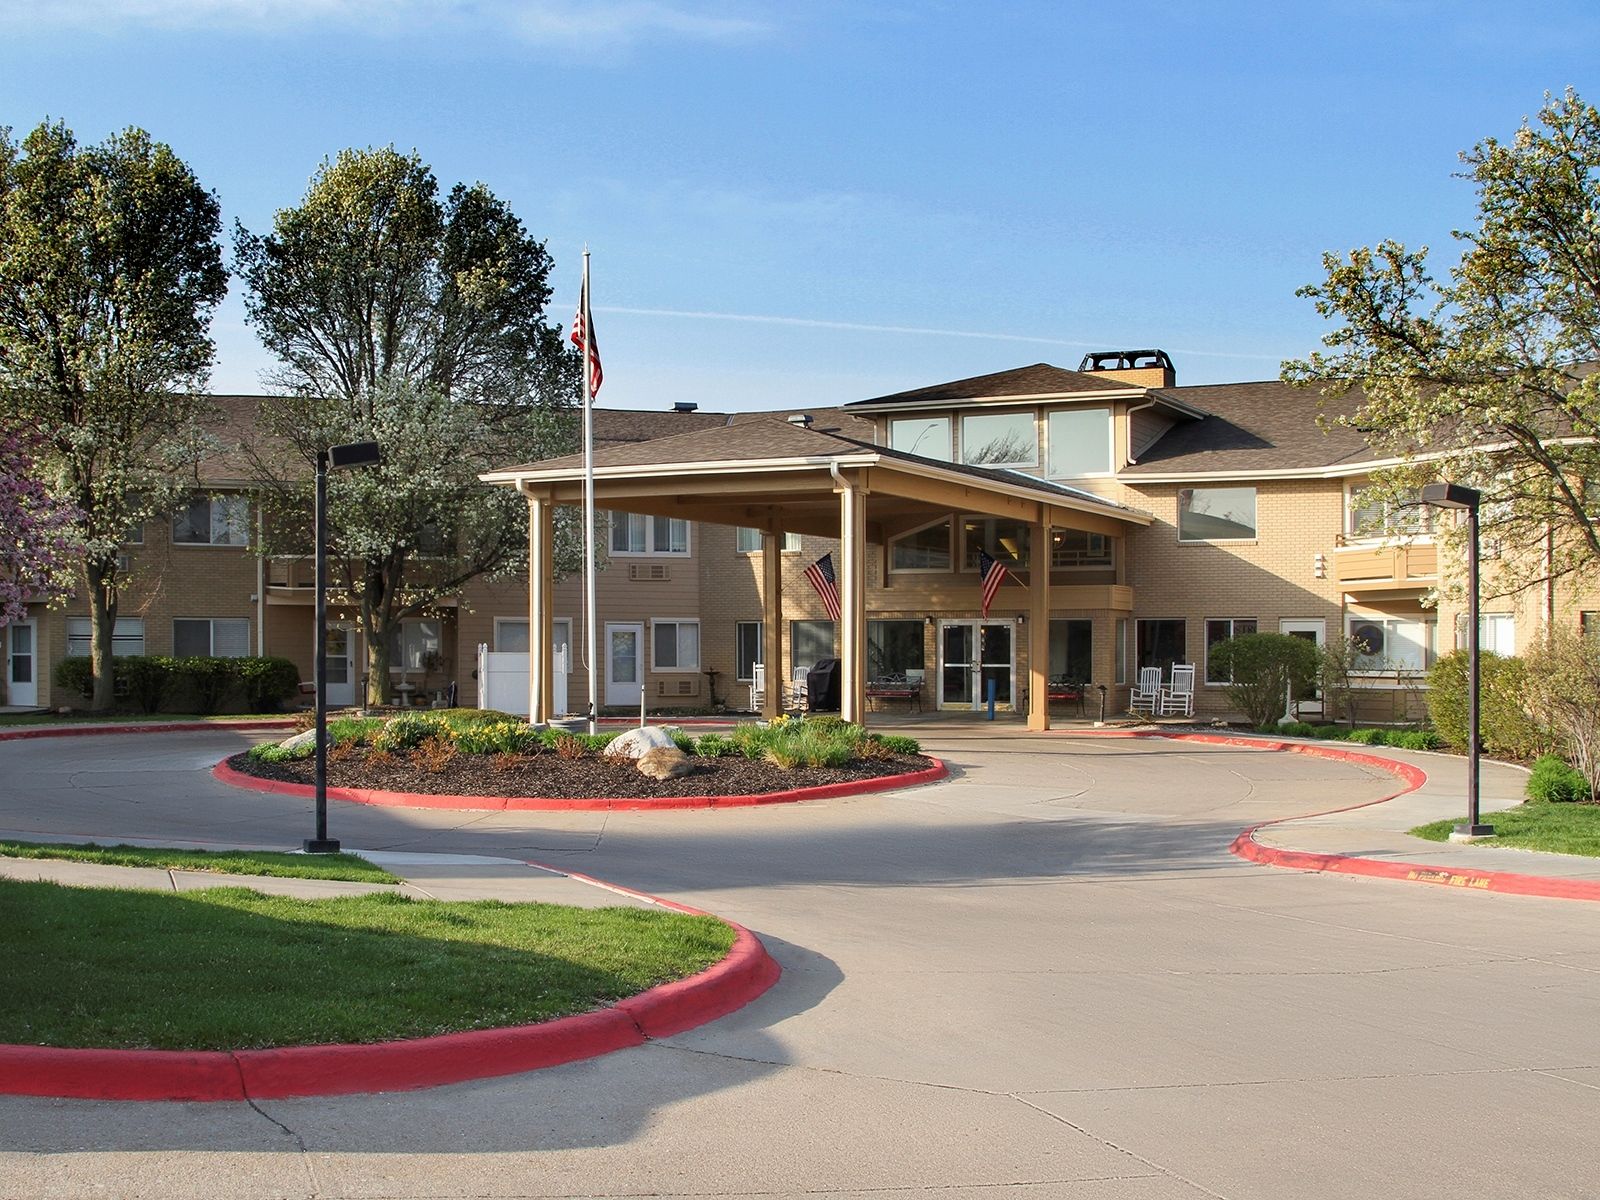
{"points": [[376, 620], [102, 626]]}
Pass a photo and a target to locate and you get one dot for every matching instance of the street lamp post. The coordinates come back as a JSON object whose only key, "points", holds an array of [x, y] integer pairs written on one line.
{"points": [[357, 454], [1454, 495]]}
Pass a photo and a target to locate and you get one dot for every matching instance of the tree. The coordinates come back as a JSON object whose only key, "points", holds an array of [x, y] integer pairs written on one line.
{"points": [[37, 556], [1563, 673], [1263, 671], [1486, 377], [418, 323], [109, 271]]}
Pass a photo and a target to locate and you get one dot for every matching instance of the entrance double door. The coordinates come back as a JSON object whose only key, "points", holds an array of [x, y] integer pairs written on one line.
{"points": [[972, 655]]}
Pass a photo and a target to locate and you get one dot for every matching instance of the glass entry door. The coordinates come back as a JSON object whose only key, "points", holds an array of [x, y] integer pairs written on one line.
{"points": [[624, 665], [22, 683], [971, 654], [341, 667]]}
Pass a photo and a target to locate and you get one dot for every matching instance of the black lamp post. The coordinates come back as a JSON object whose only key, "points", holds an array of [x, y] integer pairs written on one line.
{"points": [[1454, 495], [339, 458]]}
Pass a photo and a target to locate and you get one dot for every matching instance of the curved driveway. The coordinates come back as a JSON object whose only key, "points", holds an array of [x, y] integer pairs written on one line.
{"points": [[1045, 976]]}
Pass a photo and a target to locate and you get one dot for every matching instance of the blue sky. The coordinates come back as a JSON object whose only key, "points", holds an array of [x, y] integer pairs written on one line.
{"points": [[820, 202]]}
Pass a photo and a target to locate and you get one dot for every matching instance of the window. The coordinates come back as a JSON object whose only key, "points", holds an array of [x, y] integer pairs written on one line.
{"points": [[633, 533], [219, 637], [1072, 650], [925, 549], [1121, 650], [810, 641], [413, 642], [1162, 643], [1370, 515], [1220, 630], [927, 436], [1216, 514], [675, 645], [894, 648], [1079, 441], [1392, 644], [1497, 633], [1589, 624], [1003, 538], [748, 541], [213, 521], [134, 536], [511, 637], [127, 636], [1075, 548], [747, 650], [999, 440]]}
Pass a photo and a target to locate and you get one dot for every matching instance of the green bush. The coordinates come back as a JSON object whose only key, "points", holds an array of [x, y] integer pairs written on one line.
{"points": [[1414, 739], [1366, 737], [1554, 781], [358, 730], [715, 745], [209, 680], [272, 752], [75, 675], [509, 736], [1264, 667], [407, 732], [267, 682], [896, 744], [145, 681], [1504, 724], [1293, 729], [680, 739]]}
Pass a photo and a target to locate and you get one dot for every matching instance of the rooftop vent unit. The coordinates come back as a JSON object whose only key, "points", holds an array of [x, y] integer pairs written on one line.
{"points": [[1142, 368], [801, 419], [684, 406]]}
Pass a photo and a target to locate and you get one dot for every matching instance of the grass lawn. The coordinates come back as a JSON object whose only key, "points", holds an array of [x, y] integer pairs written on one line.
{"points": [[228, 968], [1558, 828], [347, 867], [7, 719]]}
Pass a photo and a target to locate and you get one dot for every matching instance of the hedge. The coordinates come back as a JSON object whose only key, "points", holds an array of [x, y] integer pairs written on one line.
{"points": [[1506, 728], [205, 684]]}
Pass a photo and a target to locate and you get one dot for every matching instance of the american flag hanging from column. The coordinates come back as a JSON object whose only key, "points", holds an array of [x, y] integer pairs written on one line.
{"points": [[821, 575], [992, 573], [583, 332]]}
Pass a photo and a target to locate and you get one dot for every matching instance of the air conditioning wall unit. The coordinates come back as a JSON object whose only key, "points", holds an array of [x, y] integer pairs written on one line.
{"points": [[649, 572], [677, 687]]}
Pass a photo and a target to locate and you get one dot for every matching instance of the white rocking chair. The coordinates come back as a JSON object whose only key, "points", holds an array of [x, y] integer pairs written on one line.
{"points": [[758, 688], [1147, 694], [1177, 698]]}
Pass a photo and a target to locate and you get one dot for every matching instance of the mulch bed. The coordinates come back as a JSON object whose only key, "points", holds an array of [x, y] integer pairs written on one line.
{"points": [[553, 777]]}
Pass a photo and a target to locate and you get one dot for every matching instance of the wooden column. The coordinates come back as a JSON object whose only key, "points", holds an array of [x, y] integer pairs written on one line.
{"points": [[772, 622], [853, 604], [541, 610], [1039, 626]]}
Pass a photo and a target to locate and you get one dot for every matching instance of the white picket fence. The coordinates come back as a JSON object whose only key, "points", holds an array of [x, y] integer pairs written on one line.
{"points": [[503, 681]]}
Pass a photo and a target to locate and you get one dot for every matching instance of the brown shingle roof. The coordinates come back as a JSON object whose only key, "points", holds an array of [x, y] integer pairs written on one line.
{"points": [[1040, 379]]}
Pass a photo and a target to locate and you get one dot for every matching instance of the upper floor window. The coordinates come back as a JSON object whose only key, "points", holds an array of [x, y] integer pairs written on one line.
{"points": [[1079, 442], [213, 521], [1077, 548], [633, 533], [999, 440], [925, 549], [1216, 514], [748, 541], [927, 436], [1372, 515]]}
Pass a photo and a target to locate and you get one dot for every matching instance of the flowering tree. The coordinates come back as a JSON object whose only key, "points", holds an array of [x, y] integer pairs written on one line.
{"points": [[37, 547]]}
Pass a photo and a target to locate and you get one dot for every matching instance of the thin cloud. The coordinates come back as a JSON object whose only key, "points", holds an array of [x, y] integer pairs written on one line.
{"points": [[914, 330], [602, 24]]}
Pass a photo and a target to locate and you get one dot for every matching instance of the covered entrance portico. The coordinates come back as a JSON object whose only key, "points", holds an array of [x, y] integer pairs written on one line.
{"points": [[782, 477]]}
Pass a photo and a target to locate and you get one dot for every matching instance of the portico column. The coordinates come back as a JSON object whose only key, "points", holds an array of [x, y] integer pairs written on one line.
{"points": [[541, 604], [1039, 623], [772, 622], [853, 604]]}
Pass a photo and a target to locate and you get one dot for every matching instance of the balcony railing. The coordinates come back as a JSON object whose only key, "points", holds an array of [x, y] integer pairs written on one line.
{"points": [[1386, 567]]}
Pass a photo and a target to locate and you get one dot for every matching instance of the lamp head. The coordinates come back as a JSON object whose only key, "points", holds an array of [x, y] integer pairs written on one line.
{"points": [[356, 454], [1451, 495]]}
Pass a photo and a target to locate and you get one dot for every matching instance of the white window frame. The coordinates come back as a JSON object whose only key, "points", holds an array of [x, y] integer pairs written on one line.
{"points": [[1486, 621], [84, 639], [1029, 415], [1255, 505], [1111, 428], [650, 550], [1205, 627], [947, 520], [1430, 649], [211, 634], [655, 642], [1388, 531], [791, 541], [241, 526], [929, 424], [761, 649], [397, 663]]}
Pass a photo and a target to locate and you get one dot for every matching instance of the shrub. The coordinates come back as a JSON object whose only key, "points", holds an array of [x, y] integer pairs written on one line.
{"points": [[1564, 679], [355, 731], [146, 681], [715, 745], [1413, 739], [1332, 732], [570, 746], [377, 757], [267, 682], [825, 721], [500, 737], [680, 739], [405, 732], [1504, 724], [896, 744], [1264, 668], [209, 680], [75, 675], [434, 754], [511, 762], [1366, 737], [342, 751], [272, 752], [1293, 729], [1555, 781]]}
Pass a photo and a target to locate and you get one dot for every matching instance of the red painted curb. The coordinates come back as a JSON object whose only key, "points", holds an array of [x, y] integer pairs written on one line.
{"points": [[17, 735], [1245, 846], [337, 1070], [226, 774]]}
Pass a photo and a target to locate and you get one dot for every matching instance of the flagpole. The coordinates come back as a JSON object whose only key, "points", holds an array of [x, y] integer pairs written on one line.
{"points": [[591, 634]]}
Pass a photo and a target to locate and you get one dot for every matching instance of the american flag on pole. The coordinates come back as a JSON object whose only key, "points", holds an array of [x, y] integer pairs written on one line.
{"points": [[992, 572], [821, 575], [583, 332]]}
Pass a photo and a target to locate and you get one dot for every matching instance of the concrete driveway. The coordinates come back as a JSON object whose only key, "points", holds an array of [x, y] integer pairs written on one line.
{"points": [[1045, 976]]}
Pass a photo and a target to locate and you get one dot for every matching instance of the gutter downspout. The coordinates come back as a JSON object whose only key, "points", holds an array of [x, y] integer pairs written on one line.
{"points": [[1128, 417], [261, 585]]}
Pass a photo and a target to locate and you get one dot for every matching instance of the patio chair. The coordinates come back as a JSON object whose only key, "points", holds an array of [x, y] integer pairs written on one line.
{"points": [[796, 697], [1147, 693], [1177, 698], [758, 688]]}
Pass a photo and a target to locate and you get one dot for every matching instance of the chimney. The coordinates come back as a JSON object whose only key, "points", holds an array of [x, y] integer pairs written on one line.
{"points": [[684, 406], [1136, 368], [801, 419]]}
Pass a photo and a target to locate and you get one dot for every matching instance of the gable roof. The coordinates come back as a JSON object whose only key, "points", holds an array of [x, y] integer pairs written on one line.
{"points": [[1039, 379]]}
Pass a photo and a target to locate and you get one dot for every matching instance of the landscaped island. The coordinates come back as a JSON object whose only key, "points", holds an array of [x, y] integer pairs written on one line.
{"points": [[474, 752]]}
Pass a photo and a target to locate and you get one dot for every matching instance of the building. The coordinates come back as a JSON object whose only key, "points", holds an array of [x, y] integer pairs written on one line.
{"points": [[1175, 517]]}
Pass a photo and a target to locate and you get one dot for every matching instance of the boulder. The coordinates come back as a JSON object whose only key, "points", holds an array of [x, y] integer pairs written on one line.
{"points": [[664, 762], [299, 740], [637, 742]]}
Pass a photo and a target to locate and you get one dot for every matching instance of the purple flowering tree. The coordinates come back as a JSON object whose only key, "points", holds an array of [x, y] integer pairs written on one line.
{"points": [[37, 546]]}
